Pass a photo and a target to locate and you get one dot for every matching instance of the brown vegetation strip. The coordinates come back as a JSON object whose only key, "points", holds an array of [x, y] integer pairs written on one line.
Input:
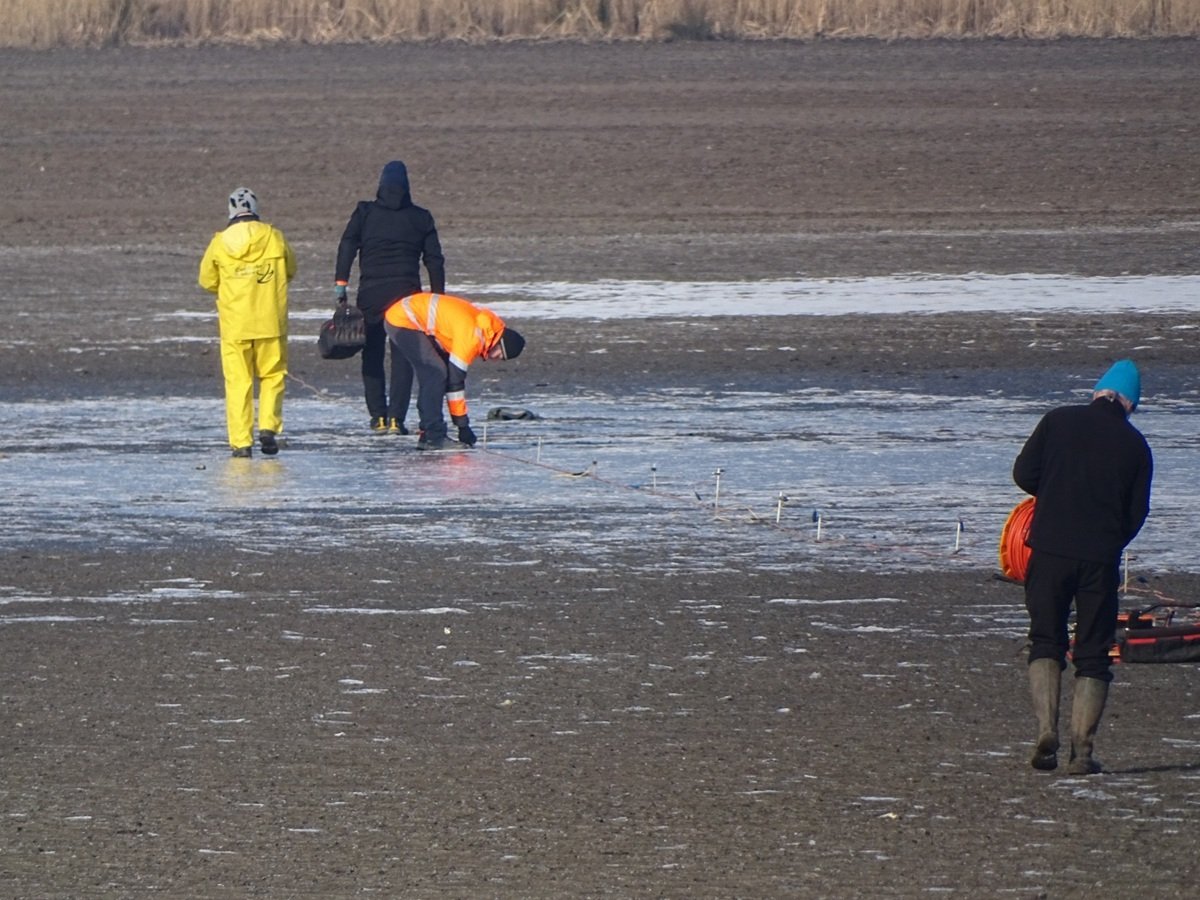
{"points": [[51, 23]]}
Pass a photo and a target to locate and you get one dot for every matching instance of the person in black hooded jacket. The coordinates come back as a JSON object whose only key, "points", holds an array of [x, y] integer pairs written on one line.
{"points": [[391, 236]]}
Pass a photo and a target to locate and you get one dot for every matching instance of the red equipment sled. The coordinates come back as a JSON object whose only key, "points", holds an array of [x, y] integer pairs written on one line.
{"points": [[1152, 635], [1149, 635]]}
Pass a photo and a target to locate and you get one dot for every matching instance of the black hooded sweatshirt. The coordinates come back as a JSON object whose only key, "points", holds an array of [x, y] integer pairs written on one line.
{"points": [[391, 236], [1090, 470]]}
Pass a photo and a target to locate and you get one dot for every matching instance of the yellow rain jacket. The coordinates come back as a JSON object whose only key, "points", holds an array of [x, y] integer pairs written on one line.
{"points": [[463, 330], [248, 266]]}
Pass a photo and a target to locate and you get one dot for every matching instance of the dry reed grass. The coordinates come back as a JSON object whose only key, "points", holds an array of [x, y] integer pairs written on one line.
{"points": [[51, 23]]}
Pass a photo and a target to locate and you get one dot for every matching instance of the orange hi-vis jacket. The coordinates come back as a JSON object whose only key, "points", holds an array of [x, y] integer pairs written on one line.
{"points": [[463, 330]]}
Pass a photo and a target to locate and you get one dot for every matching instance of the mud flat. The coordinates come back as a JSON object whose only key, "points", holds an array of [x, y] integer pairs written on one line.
{"points": [[440, 718]]}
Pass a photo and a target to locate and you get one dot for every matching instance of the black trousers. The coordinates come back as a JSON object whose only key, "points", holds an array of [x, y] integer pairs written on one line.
{"points": [[1053, 584], [422, 354], [380, 402]]}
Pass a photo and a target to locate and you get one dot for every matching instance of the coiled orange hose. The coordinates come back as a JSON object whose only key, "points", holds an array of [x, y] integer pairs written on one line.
{"points": [[1014, 554]]}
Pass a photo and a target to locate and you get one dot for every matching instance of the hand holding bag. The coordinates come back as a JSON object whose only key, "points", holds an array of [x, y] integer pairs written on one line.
{"points": [[344, 335]]}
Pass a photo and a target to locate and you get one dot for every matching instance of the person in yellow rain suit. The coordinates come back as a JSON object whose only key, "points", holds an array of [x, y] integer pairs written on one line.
{"points": [[441, 335], [248, 266]]}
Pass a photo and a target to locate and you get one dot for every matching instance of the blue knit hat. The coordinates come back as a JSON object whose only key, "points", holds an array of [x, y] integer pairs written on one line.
{"points": [[1124, 378]]}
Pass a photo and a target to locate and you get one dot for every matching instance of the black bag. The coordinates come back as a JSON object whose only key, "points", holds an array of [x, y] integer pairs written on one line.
{"points": [[343, 335]]}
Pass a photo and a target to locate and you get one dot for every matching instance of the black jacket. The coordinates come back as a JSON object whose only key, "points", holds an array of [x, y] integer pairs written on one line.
{"points": [[1090, 470], [391, 236]]}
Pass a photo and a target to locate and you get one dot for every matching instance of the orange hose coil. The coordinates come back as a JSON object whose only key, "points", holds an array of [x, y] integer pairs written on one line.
{"points": [[1014, 554]]}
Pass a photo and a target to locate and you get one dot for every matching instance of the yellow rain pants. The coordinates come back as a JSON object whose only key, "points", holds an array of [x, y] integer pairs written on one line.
{"points": [[242, 362]]}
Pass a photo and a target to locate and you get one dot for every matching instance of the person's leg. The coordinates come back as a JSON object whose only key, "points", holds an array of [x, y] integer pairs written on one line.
{"points": [[1045, 689], [1087, 706], [1049, 587], [270, 361], [430, 370], [374, 387], [400, 389], [1096, 606], [236, 366]]}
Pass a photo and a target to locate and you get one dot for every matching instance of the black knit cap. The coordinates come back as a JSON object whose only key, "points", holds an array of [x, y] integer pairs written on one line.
{"points": [[511, 343]]}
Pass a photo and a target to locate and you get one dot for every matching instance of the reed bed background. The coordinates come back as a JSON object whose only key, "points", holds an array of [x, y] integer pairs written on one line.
{"points": [[57, 23]]}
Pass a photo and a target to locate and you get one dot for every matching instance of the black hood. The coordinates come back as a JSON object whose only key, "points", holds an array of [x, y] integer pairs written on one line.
{"points": [[393, 186]]}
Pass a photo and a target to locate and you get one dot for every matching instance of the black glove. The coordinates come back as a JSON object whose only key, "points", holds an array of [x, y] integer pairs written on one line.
{"points": [[466, 435]]}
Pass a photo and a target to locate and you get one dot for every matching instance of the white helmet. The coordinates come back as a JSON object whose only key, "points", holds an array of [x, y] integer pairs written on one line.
{"points": [[242, 202]]}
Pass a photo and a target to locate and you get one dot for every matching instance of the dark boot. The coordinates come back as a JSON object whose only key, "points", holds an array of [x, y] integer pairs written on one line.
{"points": [[1045, 678], [1090, 697]]}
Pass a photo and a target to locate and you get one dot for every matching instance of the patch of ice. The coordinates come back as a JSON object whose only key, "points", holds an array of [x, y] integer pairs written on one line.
{"points": [[360, 611], [838, 296], [162, 622], [838, 602]]}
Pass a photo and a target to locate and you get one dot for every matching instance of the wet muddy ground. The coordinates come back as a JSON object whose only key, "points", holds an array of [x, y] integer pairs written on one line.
{"points": [[428, 712]]}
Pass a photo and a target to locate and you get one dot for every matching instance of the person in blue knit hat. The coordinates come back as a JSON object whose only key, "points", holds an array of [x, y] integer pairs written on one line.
{"points": [[1090, 471]]}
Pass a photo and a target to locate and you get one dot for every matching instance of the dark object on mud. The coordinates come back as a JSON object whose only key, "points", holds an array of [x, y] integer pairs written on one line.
{"points": [[511, 413], [1152, 636], [344, 335]]}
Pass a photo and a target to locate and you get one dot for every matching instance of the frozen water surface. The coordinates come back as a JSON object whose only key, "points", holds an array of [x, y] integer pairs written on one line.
{"points": [[841, 296], [873, 480], [892, 481], [1028, 294]]}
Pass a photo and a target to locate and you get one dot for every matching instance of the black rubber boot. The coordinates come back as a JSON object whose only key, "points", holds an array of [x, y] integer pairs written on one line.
{"points": [[1045, 679]]}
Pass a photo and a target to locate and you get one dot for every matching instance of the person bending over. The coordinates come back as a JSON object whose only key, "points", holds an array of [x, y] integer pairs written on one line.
{"points": [[441, 335]]}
